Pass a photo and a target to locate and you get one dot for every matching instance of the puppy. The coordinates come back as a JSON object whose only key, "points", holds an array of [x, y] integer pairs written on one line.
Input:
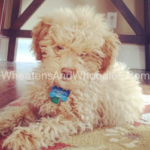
{"points": [[93, 90]]}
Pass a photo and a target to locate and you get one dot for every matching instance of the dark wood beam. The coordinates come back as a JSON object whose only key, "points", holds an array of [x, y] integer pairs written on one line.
{"points": [[134, 39], [15, 11], [129, 17], [11, 48], [12, 40], [25, 16], [24, 34], [147, 28], [19, 34]]}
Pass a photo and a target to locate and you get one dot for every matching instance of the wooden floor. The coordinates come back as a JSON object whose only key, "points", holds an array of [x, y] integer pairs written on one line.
{"points": [[11, 89]]}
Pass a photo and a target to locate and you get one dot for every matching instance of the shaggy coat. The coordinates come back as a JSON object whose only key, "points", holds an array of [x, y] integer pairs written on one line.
{"points": [[78, 40]]}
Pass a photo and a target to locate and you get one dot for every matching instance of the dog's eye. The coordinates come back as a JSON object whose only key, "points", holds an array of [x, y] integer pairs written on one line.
{"points": [[59, 47], [83, 55]]}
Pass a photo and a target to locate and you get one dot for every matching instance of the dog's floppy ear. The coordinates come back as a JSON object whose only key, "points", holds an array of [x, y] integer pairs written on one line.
{"points": [[38, 33], [110, 50]]}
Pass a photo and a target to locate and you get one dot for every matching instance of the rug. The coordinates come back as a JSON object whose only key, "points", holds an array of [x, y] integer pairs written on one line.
{"points": [[129, 137]]}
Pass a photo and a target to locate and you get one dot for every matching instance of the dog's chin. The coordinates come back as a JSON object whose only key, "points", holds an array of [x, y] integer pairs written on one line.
{"points": [[69, 84]]}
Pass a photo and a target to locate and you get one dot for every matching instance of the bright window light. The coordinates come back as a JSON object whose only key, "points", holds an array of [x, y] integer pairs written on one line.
{"points": [[24, 53]]}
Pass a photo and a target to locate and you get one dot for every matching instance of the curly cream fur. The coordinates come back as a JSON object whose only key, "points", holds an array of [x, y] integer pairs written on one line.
{"points": [[89, 46]]}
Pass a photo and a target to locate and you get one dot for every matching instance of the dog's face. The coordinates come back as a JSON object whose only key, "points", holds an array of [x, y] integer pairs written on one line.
{"points": [[71, 41]]}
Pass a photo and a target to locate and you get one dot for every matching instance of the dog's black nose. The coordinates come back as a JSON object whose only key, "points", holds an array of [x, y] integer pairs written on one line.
{"points": [[66, 73]]}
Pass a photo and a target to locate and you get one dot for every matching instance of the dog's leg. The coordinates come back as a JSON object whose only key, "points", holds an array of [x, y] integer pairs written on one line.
{"points": [[11, 117], [45, 133]]}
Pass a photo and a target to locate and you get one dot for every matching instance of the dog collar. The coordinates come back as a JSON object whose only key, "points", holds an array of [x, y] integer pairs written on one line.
{"points": [[58, 94]]}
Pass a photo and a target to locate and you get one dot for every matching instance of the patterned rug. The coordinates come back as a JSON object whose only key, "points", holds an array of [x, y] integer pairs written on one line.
{"points": [[127, 137]]}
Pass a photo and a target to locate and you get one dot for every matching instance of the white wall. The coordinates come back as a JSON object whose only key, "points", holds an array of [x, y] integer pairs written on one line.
{"points": [[49, 5], [4, 49], [132, 55]]}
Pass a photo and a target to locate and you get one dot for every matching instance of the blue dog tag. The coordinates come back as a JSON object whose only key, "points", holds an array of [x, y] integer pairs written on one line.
{"points": [[60, 93]]}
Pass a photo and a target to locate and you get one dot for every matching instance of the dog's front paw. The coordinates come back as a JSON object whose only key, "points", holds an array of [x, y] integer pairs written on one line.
{"points": [[5, 127], [22, 139]]}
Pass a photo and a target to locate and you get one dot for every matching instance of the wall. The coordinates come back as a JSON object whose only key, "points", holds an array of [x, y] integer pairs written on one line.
{"points": [[102, 6]]}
